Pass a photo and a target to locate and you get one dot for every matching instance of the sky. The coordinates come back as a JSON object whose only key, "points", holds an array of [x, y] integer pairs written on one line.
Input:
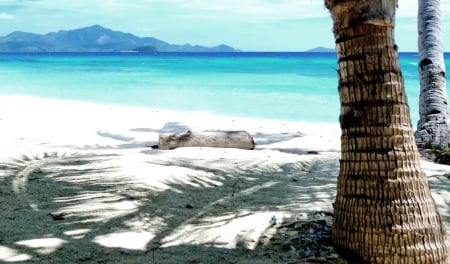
{"points": [[249, 25]]}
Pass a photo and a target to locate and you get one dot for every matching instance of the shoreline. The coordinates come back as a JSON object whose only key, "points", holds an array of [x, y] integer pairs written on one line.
{"points": [[39, 100], [59, 116]]}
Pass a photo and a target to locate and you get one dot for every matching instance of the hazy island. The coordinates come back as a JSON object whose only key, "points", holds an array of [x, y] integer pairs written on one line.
{"points": [[321, 49]]}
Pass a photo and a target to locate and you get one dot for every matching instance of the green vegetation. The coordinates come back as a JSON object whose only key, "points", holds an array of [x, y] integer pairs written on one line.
{"points": [[147, 48], [445, 150]]}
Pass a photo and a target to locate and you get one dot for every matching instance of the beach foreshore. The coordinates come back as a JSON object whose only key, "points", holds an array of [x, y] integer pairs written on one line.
{"points": [[81, 183]]}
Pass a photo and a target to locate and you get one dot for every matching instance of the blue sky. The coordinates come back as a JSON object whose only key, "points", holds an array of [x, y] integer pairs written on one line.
{"points": [[250, 25]]}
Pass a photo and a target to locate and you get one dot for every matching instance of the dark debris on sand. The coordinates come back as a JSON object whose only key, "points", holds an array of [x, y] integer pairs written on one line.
{"points": [[307, 239], [436, 155]]}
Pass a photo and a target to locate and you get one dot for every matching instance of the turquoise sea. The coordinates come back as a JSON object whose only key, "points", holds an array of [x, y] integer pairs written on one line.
{"points": [[287, 86]]}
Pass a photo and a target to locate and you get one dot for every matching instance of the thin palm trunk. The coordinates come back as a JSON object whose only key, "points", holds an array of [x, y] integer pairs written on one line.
{"points": [[383, 212], [433, 128]]}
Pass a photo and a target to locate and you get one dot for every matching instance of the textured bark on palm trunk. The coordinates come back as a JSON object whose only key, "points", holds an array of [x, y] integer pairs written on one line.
{"points": [[384, 212], [433, 127]]}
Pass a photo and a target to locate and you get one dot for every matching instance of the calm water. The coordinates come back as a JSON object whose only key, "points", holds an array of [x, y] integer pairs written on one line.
{"points": [[288, 86]]}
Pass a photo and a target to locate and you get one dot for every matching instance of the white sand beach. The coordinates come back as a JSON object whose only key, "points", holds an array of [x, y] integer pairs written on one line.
{"points": [[81, 184]]}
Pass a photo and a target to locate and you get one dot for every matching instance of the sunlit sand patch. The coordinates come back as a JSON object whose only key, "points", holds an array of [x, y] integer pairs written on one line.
{"points": [[43, 245], [97, 211], [77, 234], [140, 240], [225, 231], [12, 255]]}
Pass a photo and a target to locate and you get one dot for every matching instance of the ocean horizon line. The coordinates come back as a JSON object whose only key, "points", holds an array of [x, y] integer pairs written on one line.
{"points": [[180, 52], [195, 54]]}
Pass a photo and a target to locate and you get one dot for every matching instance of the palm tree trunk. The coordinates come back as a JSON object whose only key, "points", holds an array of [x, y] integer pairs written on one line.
{"points": [[433, 128], [383, 212]]}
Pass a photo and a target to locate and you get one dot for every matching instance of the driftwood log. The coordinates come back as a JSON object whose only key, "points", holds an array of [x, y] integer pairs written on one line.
{"points": [[176, 135]]}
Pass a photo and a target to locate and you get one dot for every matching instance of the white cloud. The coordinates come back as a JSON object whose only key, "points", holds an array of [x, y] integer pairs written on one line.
{"points": [[6, 16], [262, 9]]}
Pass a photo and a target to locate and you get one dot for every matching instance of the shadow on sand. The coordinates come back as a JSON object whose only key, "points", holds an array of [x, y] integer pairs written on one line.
{"points": [[82, 207], [85, 208]]}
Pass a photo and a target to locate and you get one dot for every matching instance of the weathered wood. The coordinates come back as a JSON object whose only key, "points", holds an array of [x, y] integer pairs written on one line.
{"points": [[176, 135]]}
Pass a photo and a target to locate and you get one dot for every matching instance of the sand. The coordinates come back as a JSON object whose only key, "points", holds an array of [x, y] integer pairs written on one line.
{"points": [[80, 184]]}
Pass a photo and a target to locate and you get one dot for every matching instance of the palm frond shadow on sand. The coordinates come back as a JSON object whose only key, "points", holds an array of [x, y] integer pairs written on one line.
{"points": [[33, 188], [85, 208]]}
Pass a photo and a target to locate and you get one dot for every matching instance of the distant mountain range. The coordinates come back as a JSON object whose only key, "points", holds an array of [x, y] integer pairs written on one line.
{"points": [[95, 39]]}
